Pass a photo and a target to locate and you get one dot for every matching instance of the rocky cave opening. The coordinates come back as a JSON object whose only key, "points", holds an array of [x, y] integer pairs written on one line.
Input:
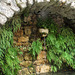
{"points": [[44, 32], [29, 32]]}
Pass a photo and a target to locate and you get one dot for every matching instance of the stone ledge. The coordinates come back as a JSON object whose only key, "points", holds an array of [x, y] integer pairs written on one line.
{"points": [[9, 7]]}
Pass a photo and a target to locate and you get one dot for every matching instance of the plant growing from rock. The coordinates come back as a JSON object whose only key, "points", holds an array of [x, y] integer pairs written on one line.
{"points": [[61, 49], [60, 45], [9, 63], [35, 48]]}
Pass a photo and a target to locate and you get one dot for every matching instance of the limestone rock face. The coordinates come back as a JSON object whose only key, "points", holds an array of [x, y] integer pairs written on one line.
{"points": [[22, 3], [26, 63], [42, 55], [5, 10], [27, 57], [12, 4], [23, 39], [65, 8], [3, 19], [42, 69]]}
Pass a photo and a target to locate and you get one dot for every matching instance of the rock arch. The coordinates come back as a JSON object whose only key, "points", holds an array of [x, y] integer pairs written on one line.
{"points": [[65, 8]]}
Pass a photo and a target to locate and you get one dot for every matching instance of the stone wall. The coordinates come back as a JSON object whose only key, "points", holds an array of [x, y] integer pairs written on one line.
{"points": [[65, 8], [23, 39]]}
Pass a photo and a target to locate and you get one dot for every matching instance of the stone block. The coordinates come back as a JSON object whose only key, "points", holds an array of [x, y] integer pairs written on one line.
{"points": [[44, 68], [15, 38], [20, 72], [6, 10], [22, 3], [39, 62], [19, 44], [22, 44], [12, 4], [27, 57], [26, 63], [31, 70], [18, 33], [27, 30], [41, 30], [25, 71], [37, 69], [23, 39], [3, 19], [42, 55], [30, 1]]}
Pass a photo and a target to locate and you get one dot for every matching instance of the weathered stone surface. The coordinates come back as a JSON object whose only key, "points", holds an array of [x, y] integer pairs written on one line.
{"points": [[39, 62], [27, 30], [21, 3], [41, 30], [12, 4], [25, 71], [26, 63], [27, 19], [31, 70], [18, 33], [27, 57], [42, 69], [30, 1], [52, 6], [37, 69], [23, 39], [42, 55], [15, 38], [3, 19], [5, 10]]}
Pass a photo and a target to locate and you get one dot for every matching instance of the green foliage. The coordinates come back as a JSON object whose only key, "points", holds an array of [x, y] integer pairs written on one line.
{"points": [[26, 12], [16, 23], [9, 63], [60, 46], [35, 48], [13, 25]]}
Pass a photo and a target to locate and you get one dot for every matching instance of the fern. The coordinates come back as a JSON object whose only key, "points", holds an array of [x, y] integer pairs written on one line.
{"points": [[16, 23], [35, 48], [9, 63], [60, 46]]}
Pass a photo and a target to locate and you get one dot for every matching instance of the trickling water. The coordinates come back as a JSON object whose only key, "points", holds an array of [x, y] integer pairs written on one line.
{"points": [[44, 43]]}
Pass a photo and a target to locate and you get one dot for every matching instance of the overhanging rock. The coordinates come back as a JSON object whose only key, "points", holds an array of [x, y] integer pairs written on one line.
{"points": [[65, 8]]}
